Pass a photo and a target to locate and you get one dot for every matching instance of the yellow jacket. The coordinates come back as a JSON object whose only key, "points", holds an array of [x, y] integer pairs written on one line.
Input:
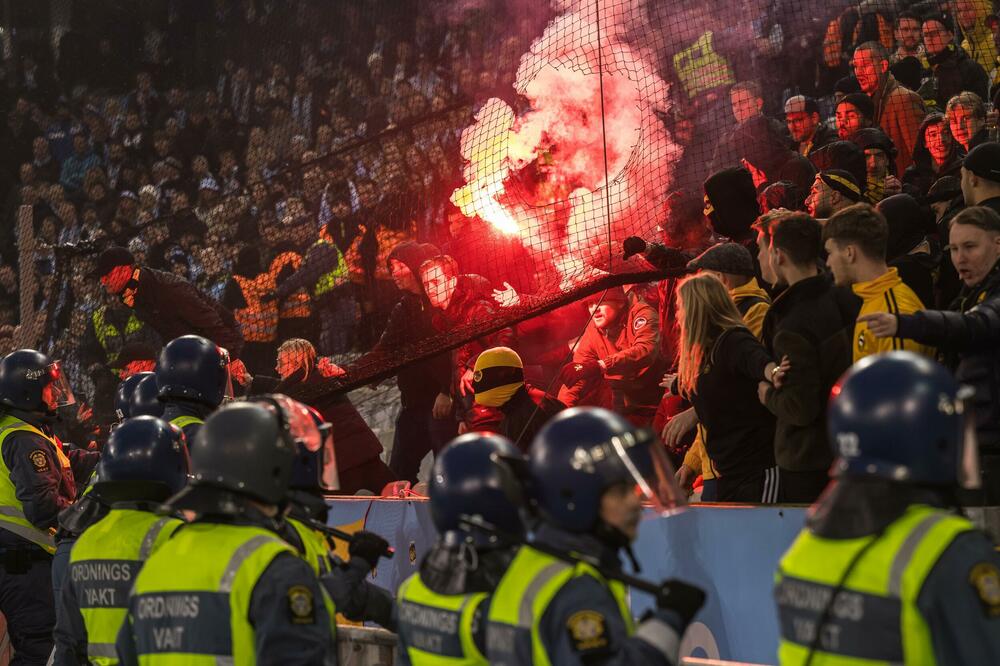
{"points": [[978, 41], [886, 293], [753, 303]]}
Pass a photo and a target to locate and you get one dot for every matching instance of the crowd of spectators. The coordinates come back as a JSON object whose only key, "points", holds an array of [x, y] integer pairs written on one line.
{"points": [[303, 187]]}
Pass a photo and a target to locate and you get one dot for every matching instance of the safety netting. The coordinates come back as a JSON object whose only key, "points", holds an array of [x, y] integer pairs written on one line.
{"points": [[276, 153]]}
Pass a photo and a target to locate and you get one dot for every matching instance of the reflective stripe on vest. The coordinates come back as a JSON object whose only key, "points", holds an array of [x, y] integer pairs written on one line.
{"points": [[329, 280], [12, 516], [874, 619], [523, 595], [104, 331], [436, 629], [200, 614], [184, 421], [317, 556], [699, 67], [102, 568], [317, 550]]}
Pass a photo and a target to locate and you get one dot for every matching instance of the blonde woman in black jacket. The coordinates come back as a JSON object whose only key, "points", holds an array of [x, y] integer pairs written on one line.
{"points": [[720, 364]]}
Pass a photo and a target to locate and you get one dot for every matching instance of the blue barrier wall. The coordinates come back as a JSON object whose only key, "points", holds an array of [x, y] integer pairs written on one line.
{"points": [[731, 551]]}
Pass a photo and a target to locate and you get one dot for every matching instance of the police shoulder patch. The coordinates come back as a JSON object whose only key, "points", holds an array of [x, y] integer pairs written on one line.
{"points": [[639, 323], [587, 631], [300, 605], [985, 580], [39, 460]]}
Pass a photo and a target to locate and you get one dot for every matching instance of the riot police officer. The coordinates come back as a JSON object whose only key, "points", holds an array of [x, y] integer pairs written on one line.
{"points": [[441, 607], [87, 509], [584, 470], [36, 483], [439, 611], [123, 394], [145, 400], [192, 374], [226, 586], [887, 570], [144, 463], [314, 472]]}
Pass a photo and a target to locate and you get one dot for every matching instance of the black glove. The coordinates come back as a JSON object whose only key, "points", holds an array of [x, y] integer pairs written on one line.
{"points": [[633, 245], [367, 546], [682, 598], [667, 258], [574, 373]]}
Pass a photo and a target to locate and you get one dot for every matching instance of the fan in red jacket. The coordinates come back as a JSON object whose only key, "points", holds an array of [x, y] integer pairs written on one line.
{"points": [[620, 346]]}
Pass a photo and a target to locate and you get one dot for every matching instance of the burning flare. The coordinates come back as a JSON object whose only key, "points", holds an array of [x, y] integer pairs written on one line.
{"points": [[596, 179]]}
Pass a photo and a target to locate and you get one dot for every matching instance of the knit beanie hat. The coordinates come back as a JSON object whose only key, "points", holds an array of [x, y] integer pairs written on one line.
{"points": [[843, 182], [497, 376], [862, 102], [984, 161]]}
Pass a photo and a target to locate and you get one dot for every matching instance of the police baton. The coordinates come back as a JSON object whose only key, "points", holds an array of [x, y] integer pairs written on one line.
{"points": [[658, 590], [343, 536]]}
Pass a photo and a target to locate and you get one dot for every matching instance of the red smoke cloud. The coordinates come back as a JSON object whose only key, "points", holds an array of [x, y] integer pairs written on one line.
{"points": [[561, 137]]}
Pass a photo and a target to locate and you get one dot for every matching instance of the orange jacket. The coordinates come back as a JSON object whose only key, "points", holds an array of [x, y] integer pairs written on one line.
{"points": [[258, 320], [298, 305]]}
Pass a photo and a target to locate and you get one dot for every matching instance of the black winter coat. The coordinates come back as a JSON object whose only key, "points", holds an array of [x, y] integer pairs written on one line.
{"points": [[954, 71], [812, 323], [173, 307], [969, 335], [739, 430]]}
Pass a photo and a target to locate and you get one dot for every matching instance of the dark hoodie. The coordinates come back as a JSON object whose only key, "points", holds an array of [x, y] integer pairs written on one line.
{"points": [[734, 199], [908, 249], [954, 71], [924, 170], [519, 419], [410, 322]]}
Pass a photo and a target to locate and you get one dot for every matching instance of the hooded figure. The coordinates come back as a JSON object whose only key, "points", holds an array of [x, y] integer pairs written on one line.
{"points": [[908, 249], [423, 386], [505, 404], [731, 203], [878, 167]]}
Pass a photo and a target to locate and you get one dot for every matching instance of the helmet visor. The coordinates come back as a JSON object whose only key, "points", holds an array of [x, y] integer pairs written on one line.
{"points": [[300, 423], [57, 392], [969, 474], [646, 461]]}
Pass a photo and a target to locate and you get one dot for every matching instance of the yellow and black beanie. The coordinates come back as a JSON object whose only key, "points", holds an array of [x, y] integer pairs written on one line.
{"points": [[497, 376]]}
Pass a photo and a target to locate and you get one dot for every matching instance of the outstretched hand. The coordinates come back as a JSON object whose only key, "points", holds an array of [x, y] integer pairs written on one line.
{"points": [[881, 324], [506, 297]]}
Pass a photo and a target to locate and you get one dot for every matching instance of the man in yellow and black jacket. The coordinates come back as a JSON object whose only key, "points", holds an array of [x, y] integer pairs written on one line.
{"points": [[855, 240]]}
